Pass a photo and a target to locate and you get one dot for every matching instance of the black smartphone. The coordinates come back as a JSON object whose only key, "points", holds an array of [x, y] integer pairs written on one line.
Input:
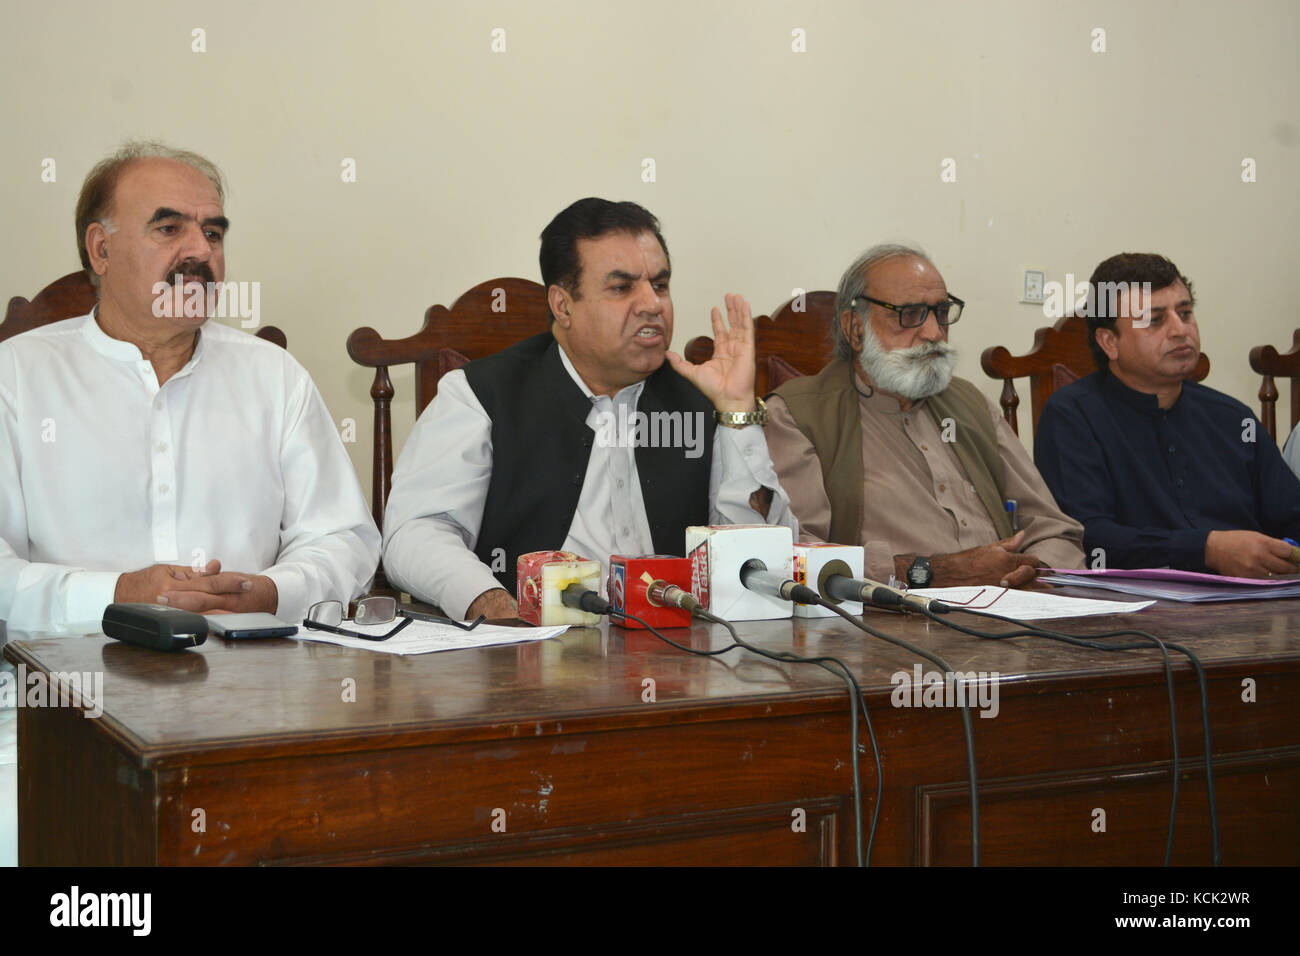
{"points": [[240, 626]]}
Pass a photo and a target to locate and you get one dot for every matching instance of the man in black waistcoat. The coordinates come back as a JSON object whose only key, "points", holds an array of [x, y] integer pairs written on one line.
{"points": [[582, 438]]}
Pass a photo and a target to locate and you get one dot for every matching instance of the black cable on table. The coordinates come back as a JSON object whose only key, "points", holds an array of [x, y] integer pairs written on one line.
{"points": [[967, 730], [1093, 641], [856, 698]]}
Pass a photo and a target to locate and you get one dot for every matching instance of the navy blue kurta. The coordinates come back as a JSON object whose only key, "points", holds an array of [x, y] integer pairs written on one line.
{"points": [[1150, 485]]}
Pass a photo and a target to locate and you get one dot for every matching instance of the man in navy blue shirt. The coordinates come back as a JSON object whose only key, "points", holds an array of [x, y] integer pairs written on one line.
{"points": [[1159, 470]]}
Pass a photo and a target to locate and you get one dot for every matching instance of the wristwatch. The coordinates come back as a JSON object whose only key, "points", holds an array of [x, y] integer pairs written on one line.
{"points": [[741, 419], [919, 574]]}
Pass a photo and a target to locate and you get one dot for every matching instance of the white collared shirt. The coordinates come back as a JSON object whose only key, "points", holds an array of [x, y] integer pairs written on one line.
{"points": [[103, 472], [440, 488]]}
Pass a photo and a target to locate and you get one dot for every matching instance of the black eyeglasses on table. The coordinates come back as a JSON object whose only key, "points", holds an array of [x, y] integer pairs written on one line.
{"points": [[328, 615]]}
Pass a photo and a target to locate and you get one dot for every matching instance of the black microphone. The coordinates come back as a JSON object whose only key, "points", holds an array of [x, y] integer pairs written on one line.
{"points": [[755, 576], [836, 583], [662, 594], [585, 599]]}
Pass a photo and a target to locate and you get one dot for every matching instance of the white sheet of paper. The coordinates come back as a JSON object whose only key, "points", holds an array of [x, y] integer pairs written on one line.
{"points": [[426, 637], [1027, 605]]}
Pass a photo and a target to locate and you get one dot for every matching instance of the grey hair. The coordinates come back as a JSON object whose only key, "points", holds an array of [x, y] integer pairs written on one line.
{"points": [[95, 203], [853, 284]]}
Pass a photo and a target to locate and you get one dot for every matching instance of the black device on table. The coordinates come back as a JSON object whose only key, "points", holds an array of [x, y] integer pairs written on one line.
{"points": [[155, 626], [237, 627]]}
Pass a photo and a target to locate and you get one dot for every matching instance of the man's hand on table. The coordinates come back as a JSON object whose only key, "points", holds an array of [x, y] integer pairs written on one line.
{"points": [[997, 564], [1248, 554], [496, 605]]}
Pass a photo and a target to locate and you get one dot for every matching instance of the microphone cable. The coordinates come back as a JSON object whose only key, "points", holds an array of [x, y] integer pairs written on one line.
{"points": [[790, 590], [931, 607], [587, 600], [1094, 641], [856, 700], [814, 598]]}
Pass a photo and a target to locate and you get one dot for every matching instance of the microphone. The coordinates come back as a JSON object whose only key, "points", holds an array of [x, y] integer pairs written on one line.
{"points": [[584, 598], [756, 577], [810, 558], [716, 554], [836, 584], [660, 593], [543, 575], [629, 591]]}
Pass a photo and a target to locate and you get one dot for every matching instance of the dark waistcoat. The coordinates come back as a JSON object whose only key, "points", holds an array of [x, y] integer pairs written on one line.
{"points": [[541, 445], [825, 408]]}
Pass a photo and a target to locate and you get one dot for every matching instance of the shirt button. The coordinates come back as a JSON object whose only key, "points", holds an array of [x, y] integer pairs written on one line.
{"points": [[625, 532], [1179, 482], [942, 488], [620, 482], [162, 446], [164, 488], [963, 522], [925, 447], [1171, 449]]}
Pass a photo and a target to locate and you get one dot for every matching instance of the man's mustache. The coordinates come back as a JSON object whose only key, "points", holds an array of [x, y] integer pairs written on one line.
{"points": [[192, 267], [926, 349]]}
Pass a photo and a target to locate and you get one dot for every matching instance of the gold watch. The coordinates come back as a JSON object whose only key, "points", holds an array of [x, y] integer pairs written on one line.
{"points": [[741, 419]]}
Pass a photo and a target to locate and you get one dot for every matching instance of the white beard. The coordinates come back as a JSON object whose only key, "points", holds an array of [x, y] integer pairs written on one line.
{"points": [[912, 373]]}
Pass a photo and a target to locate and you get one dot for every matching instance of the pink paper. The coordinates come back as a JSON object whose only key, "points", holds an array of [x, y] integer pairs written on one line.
{"points": [[1170, 574]]}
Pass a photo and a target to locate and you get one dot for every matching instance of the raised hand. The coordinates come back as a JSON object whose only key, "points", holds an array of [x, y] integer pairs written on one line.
{"points": [[727, 379]]}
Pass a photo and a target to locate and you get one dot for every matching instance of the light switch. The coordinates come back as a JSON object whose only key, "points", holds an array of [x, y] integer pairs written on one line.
{"points": [[1033, 286]]}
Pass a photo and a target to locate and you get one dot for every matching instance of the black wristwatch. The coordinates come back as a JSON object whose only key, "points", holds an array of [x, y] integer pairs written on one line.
{"points": [[919, 574]]}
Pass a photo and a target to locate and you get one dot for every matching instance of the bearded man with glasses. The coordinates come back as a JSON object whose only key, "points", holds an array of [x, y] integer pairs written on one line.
{"points": [[887, 449]]}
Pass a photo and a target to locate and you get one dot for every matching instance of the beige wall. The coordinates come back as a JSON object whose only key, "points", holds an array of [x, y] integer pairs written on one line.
{"points": [[774, 168]]}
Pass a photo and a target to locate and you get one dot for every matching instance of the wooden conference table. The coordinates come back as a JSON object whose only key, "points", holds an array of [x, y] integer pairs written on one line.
{"points": [[248, 752]]}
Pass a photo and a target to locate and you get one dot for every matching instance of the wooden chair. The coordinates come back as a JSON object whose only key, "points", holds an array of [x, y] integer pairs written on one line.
{"points": [[486, 319], [1271, 364], [792, 342], [70, 296], [1060, 356]]}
